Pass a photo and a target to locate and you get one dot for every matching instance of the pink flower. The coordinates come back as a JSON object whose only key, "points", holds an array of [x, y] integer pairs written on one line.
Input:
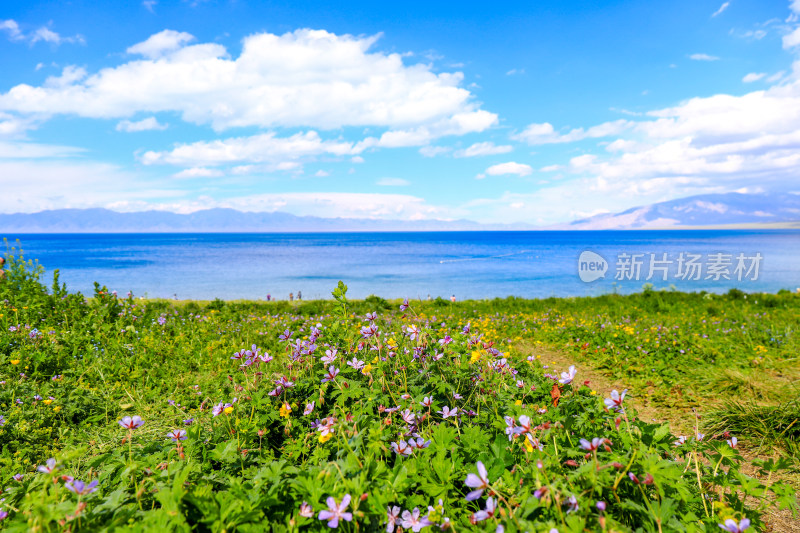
{"points": [[336, 512], [131, 423], [427, 401], [309, 408], [49, 467], [392, 517], [591, 446], [306, 510], [446, 412], [412, 520], [478, 482]]}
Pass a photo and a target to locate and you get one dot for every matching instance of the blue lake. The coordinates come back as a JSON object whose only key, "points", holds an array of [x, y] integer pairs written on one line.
{"points": [[414, 265]]}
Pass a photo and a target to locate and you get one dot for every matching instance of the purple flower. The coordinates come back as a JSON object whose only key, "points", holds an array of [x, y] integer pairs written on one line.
{"points": [[188, 421], [572, 504], [485, 513], [403, 307], [601, 506], [591, 446], [402, 448], [427, 401], [446, 412], [408, 417], [615, 402], [306, 510], [511, 428], [392, 513], [567, 377], [412, 520], [336, 512], [2, 421], [309, 408], [331, 375], [162, 320], [285, 336], [457, 396], [177, 434], [355, 363], [731, 526], [49, 467], [329, 357], [372, 317], [18, 477], [3, 514], [681, 441], [131, 423], [732, 442], [419, 444], [478, 482], [80, 488], [412, 332]]}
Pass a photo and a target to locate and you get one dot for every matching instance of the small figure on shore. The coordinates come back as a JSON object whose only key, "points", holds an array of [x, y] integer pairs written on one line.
{"points": [[291, 296], [453, 298], [299, 295], [269, 297]]}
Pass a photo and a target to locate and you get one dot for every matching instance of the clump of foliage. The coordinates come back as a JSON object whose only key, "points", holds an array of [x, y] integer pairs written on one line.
{"points": [[122, 413]]}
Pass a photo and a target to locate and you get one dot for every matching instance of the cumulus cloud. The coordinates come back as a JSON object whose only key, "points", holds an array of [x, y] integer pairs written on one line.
{"points": [[146, 124], [792, 39], [199, 172], [703, 57], [305, 78], [517, 169], [262, 148], [544, 133], [433, 151], [481, 149], [753, 76], [43, 33]]}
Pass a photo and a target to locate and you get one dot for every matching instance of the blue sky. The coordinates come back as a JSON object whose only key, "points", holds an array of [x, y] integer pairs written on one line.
{"points": [[534, 112]]}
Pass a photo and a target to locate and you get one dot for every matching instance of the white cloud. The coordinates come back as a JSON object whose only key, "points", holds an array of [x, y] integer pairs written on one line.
{"points": [[518, 169], [536, 134], [12, 28], [753, 76], [322, 173], [43, 33], [357, 159], [514, 71], [703, 57], [306, 78], [146, 124], [392, 182], [149, 5], [483, 148], [199, 172], [791, 40], [262, 148], [161, 44], [29, 150], [722, 8], [433, 151]]}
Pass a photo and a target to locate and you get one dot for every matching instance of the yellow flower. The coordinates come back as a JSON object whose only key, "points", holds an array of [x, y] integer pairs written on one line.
{"points": [[15, 361], [475, 356], [528, 445], [47, 402], [228, 410], [285, 410], [57, 408], [366, 369], [518, 402], [325, 438]]}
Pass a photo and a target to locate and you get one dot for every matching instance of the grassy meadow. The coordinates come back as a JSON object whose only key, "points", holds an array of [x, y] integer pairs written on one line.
{"points": [[652, 412]]}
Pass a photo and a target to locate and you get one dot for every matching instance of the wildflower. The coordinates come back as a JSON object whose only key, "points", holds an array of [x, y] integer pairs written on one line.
{"points": [[408, 417], [419, 444], [572, 503], [402, 448], [412, 332], [520, 384], [457, 396], [591, 446], [285, 410], [567, 377], [217, 409], [49, 467], [285, 336], [2, 421], [371, 317], [37, 398], [3, 514], [524, 425], [732, 442], [511, 428], [285, 383], [446, 412], [331, 375], [534, 443], [403, 307], [601, 506], [392, 514], [681, 440], [131, 423], [412, 520], [18, 477], [699, 436], [177, 434], [325, 437], [355, 363], [615, 402], [188, 421], [446, 340], [336, 512], [427, 401], [309, 408], [329, 357], [478, 482], [162, 320], [731, 526], [538, 493], [369, 331], [80, 488], [485, 513], [306, 510], [326, 426]]}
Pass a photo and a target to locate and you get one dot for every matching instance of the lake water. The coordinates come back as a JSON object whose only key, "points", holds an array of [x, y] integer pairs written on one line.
{"points": [[414, 265]]}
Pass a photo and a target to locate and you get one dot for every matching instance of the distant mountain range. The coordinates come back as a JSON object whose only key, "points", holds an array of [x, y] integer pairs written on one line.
{"points": [[219, 220], [710, 210], [707, 210]]}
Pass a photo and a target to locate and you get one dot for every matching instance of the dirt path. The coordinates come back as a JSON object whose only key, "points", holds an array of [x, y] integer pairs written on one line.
{"points": [[681, 421]]}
